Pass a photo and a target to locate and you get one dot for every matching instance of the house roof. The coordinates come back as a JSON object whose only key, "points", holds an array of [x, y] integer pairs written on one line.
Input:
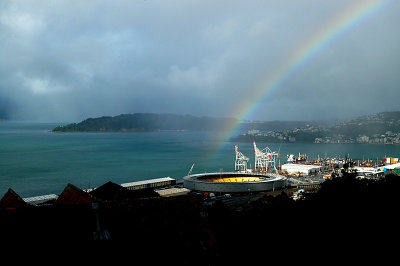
{"points": [[110, 191], [11, 200], [73, 195]]}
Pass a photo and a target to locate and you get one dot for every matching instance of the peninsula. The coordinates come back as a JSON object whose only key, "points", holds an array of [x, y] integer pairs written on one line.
{"points": [[145, 122]]}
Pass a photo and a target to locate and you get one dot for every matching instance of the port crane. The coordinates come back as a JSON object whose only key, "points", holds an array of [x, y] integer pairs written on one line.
{"points": [[240, 161], [265, 159]]}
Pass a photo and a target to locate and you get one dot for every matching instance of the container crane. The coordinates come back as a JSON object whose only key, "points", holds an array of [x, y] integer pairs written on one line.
{"points": [[264, 159], [240, 161]]}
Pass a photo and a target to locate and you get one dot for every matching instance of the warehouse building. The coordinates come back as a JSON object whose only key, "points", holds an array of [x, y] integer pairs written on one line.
{"points": [[151, 183], [301, 169]]}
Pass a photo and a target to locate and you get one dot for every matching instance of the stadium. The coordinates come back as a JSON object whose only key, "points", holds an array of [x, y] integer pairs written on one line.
{"points": [[234, 182], [242, 180]]}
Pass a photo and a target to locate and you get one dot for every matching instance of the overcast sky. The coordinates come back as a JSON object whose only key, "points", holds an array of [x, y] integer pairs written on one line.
{"points": [[70, 60]]}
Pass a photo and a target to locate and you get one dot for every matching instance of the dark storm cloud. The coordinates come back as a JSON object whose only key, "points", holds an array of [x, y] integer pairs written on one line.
{"points": [[69, 60]]}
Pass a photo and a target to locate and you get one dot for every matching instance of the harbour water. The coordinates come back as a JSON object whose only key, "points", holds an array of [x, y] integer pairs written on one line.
{"points": [[35, 161]]}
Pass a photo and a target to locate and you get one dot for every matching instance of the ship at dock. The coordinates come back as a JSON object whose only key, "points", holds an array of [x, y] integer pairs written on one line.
{"points": [[302, 158]]}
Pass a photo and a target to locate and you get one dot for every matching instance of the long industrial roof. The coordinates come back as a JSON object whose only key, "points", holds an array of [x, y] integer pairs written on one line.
{"points": [[149, 181], [300, 166], [40, 198], [392, 166]]}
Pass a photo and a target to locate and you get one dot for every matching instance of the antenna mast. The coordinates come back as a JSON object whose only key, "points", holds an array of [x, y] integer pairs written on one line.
{"points": [[191, 169]]}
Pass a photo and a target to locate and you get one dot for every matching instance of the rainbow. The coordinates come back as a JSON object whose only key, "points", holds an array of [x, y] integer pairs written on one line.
{"points": [[359, 12]]}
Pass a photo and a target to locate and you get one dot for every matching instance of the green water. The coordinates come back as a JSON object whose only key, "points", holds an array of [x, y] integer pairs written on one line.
{"points": [[35, 161]]}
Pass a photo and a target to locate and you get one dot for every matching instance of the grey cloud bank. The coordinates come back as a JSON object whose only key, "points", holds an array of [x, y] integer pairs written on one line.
{"points": [[69, 60]]}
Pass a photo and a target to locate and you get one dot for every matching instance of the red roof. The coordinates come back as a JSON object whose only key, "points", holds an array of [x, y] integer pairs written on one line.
{"points": [[11, 200], [73, 195]]}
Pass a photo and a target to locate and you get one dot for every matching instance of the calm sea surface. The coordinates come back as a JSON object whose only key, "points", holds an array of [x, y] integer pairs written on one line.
{"points": [[34, 161]]}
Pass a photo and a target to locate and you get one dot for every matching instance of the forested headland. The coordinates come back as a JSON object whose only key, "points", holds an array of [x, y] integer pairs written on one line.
{"points": [[145, 122]]}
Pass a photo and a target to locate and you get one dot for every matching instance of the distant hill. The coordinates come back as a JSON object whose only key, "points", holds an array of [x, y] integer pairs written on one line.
{"points": [[144, 122], [380, 128], [369, 125], [372, 126], [281, 125]]}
